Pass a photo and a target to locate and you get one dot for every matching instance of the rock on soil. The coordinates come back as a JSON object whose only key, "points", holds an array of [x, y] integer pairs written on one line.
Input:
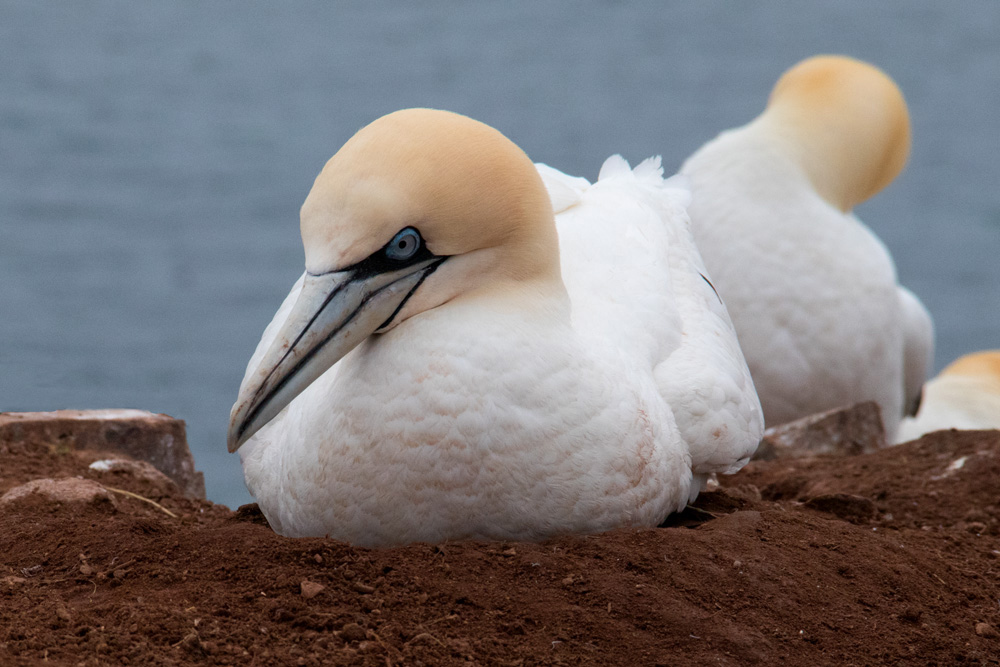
{"points": [[156, 439], [885, 558], [69, 490], [847, 431]]}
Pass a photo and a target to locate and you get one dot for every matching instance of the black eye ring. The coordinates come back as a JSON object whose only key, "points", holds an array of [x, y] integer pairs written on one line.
{"points": [[404, 245]]}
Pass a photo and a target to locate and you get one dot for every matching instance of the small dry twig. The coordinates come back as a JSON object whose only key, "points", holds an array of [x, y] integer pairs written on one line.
{"points": [[144, 499], [388, 647]]}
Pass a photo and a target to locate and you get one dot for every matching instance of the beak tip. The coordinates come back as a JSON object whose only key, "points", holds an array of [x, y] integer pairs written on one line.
{"points": [[332, 314], [233, 441], [237, 433]]}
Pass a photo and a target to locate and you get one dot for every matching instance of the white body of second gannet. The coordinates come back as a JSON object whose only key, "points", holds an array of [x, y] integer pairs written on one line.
{"points": [[811, 290], [521, 384], [964, 396]]}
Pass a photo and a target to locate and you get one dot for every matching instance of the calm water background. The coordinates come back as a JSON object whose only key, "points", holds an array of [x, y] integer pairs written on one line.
{"points": [[153, 157]]}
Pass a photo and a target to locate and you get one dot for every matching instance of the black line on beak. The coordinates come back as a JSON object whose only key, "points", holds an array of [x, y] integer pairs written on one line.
{"points": [[426, 271]]}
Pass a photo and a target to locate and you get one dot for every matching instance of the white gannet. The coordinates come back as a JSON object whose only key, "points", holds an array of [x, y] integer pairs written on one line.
{"points": [[965, 395], [811, 290], [435, 375]]}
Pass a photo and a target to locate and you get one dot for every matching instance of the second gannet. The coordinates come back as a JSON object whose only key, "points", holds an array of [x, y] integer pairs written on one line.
{"points": [[965, 395], [450, 366], [811, 290]]}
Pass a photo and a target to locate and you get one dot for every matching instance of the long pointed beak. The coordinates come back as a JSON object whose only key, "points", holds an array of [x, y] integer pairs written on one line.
{"points": [[334, 312]]}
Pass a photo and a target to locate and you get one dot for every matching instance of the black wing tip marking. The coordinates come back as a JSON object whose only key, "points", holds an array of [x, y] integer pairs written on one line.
{"points": [[705, 278]]}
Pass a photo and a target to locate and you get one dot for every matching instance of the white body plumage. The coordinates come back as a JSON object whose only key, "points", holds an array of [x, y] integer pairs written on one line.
{"points": [[811, 290], [521, 411]]}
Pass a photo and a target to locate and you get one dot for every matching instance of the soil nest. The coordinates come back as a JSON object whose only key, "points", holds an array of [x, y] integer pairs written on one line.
{"points": [[889, 557]]}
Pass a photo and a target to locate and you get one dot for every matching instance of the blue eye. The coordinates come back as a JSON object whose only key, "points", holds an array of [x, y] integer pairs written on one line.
{"points": [[404, 245]]}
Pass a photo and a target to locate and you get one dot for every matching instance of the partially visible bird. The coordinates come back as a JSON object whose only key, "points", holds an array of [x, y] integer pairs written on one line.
{"points": [[452, 367], [965, 396], [811, 290]]}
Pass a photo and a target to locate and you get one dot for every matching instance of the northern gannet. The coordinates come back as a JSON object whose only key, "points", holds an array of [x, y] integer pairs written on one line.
{"points": [[965, 395], [437, 373], [811, 290]]}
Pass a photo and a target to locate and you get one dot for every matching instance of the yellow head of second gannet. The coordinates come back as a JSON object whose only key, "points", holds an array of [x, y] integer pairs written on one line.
{"points": [[847, 122], [982, 366], [812, 292], [419, 198], [965, 395]]}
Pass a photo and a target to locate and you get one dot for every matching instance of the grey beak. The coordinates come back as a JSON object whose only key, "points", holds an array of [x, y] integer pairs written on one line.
{"points": [[334, 312]]}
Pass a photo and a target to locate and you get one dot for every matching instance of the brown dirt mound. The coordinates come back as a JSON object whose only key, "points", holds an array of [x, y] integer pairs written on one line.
{"points": [[885, 558]]}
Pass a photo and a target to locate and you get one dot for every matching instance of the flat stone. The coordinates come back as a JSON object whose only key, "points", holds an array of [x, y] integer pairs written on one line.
{"points": [[158, 439], [848, 431], [71, 490]]}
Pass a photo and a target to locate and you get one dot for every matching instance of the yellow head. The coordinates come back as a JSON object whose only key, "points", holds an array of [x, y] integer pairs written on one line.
{"points": [[846, 121], [461, 183], [983, 365], [417, 209]]}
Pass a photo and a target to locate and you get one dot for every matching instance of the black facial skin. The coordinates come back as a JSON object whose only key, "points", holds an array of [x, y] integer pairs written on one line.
{"points": [[405, 249], [391, 257]]}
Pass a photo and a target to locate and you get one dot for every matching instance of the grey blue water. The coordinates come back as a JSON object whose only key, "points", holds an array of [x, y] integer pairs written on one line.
{"points": [[153, 156]]}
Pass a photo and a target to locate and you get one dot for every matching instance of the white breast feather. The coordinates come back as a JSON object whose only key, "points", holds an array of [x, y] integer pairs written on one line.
{"points": [[501, 421], [811, 290]]}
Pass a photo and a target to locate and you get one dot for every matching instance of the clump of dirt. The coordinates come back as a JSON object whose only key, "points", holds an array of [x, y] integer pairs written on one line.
{"points": [[883, 558]]}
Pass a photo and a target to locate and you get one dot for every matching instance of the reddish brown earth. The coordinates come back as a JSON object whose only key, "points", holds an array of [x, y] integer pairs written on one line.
{"points": [[876, 559]]}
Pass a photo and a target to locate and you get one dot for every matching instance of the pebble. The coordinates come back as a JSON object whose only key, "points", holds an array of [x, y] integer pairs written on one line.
{"points": [[986, 630], [310, 589], [362, 588]]}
